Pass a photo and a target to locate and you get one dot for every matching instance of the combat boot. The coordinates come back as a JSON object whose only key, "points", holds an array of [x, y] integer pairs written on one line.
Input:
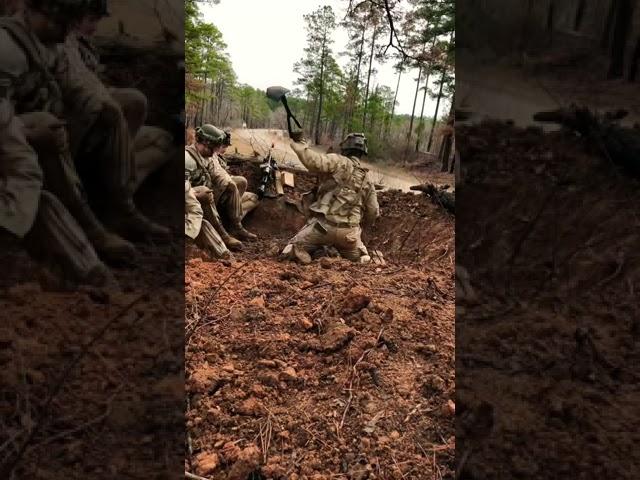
{"points": [[295, 252], [232, 243], [213, 218], [112, 248], [243, 233]]}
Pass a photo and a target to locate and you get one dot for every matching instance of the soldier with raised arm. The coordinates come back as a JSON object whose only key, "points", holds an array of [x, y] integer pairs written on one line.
{"points": [[346, 198]]}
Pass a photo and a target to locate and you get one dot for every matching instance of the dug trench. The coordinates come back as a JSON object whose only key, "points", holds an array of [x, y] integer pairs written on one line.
{"points": [[547, 383], [328, 370]]}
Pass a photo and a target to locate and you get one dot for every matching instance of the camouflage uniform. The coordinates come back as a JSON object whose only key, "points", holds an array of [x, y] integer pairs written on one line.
{"points": [[101, 136], [199, 229], [198, 173], [39, 103], [345, 198], [152, 146], [30, 144], [231, 191]]}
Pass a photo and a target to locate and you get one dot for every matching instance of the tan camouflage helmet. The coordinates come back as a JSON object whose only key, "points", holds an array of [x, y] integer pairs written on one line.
{"points": [[354, 143]]}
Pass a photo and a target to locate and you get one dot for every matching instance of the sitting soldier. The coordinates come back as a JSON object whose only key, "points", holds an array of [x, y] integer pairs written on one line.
{"points": [[210, 181], [345, 198], [152, 146], [249, 200], [199, 229]]}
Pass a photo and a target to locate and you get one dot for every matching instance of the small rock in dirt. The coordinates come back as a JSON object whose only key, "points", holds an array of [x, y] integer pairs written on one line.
{"points": [[207, 463], [269, 378], [449, 409], [387, 315], [258, 390], [228, 368], [305, 323], [335, 339], [289, 374], [251, 407], [355, 301], [267, 363], [433, 384], [255, 313], [202, 380], [258, 302], [395, 435], [248, 462], [230, 452], [427, 350]]}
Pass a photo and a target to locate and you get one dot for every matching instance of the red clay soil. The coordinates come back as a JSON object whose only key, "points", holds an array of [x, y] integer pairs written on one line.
{"points": [[547, 383], [330, 370]]}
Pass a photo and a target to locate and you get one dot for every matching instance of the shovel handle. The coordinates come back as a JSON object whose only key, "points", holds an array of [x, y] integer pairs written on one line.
{"points": [[290, 116]]}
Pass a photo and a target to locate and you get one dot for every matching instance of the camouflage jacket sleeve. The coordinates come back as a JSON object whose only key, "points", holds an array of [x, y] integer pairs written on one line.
{"points": [[20, 179], [81, 88], [192, 212], [318, 162]]}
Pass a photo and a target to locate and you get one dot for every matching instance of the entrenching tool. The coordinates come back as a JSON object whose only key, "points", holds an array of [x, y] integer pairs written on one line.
{"points": [[278, 94]]}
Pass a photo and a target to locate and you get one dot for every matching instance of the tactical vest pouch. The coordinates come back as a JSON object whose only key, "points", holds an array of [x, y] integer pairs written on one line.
{"points": [[37, 90]]}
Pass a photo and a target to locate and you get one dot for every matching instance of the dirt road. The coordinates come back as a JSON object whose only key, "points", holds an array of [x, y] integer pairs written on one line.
{"points": [[391, 177]]}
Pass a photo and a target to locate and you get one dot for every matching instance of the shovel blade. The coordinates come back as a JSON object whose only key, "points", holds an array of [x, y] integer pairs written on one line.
{"points": [[276, 93]]}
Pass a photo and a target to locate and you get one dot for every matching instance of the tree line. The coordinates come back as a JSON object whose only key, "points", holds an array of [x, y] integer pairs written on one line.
{"points": [[330, 100]]}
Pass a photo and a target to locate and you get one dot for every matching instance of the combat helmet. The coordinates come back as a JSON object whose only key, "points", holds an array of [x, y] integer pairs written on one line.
{"points": [[227, 138], [354, 143], [210, 135]]}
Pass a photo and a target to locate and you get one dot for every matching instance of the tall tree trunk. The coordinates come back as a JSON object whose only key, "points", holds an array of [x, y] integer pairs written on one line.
{"points": [[413, 110], [435, 115], [415, 100], [622, 22], [356, 84], [395, 95], [366, 92], [424, 99], [322, 60]]}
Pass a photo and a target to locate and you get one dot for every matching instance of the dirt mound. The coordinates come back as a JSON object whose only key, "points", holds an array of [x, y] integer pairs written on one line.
{"points": [[331, 369], [546, 359]]}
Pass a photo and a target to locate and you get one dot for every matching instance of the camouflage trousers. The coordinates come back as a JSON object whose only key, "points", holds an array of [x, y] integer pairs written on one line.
{"points": [[209, 239], [318, 233], [57, 236], [152, 146], [57, 241], [235, 202], [211, 232]]}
